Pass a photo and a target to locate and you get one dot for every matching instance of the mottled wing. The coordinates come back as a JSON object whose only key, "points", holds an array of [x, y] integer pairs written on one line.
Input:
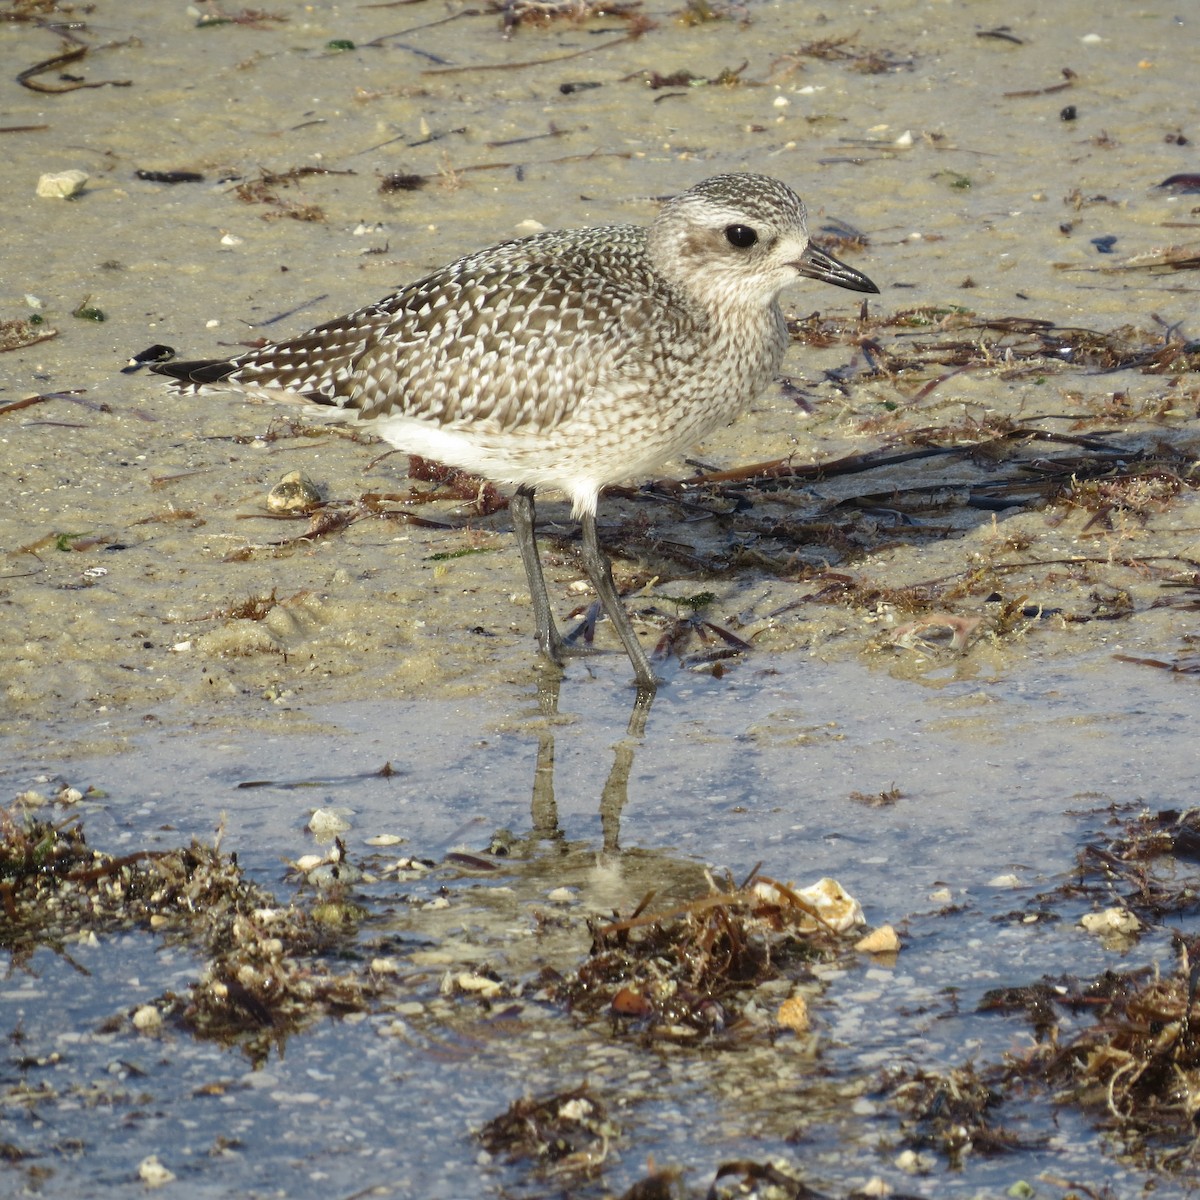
{"points": [[517, 335]]}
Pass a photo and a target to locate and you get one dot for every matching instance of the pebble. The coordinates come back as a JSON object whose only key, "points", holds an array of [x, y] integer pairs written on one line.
{"points": [[61, 185], [148, 1019], [152, 1173], [883, 940], [294, 493]]}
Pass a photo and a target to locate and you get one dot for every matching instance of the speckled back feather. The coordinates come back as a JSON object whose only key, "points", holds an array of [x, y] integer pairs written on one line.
{"points": [[572, 358]]}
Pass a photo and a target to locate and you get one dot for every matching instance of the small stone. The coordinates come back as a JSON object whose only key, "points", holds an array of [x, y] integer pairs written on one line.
{"points": [[152, 1173], [61, 185], [327, 822], [577, 1109], [467, 981], [884, 940], [294, 493], [912, 1163], [1004, 881], [1111, 920], [793, 1015], [148, 1019]]}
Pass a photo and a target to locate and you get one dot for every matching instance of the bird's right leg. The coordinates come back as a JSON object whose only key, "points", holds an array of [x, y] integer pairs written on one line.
{"points": [[548, 638]]}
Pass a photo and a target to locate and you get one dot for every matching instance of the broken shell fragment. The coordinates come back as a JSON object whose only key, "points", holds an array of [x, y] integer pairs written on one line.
{"points": [[832, 906]]}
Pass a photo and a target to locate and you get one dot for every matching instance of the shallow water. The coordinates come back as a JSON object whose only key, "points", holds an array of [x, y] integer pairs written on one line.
{"points": [[122, 668], [1000, 778]]}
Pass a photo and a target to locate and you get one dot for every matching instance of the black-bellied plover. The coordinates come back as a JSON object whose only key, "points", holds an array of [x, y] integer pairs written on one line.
{"points": [[570, 359]]}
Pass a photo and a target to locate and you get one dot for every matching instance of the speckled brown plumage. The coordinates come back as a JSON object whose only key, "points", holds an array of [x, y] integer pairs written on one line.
{"points": [[570, 359]]}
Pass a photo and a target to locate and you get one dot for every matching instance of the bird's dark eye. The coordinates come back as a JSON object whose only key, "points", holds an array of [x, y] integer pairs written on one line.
{"points": [[741, 236]]}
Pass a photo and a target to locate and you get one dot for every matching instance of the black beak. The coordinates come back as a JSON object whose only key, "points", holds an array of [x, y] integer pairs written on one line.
{"points": [[816, 264]]}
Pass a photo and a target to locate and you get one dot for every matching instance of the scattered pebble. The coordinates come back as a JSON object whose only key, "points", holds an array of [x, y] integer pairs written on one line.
{"points": [[1111, 920], [793, 1014], [294, 493], [884, 940], [912, 1163], [62, 185], [576, 1109], [327, 822], [153, 1174], [148, 1019], [468, 981]]}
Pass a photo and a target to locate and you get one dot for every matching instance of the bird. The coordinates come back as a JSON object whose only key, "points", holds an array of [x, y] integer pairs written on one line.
{"points": [[569, 359]]}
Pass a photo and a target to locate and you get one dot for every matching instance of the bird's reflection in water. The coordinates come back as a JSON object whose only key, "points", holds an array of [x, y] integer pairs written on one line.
{"points": [[616, 786]]}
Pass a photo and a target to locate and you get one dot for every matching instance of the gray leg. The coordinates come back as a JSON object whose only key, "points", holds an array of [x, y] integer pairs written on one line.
{"points": [[544, 809], [599, 570], [548, 639]]}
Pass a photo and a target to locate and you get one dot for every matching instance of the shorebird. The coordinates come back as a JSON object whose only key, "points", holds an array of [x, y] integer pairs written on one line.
{"points": [[571, 359]]}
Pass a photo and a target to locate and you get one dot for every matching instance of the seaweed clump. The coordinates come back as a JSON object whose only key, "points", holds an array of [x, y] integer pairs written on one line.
{"points": [[1133, 1063], [264, 976], [688, 975]]}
